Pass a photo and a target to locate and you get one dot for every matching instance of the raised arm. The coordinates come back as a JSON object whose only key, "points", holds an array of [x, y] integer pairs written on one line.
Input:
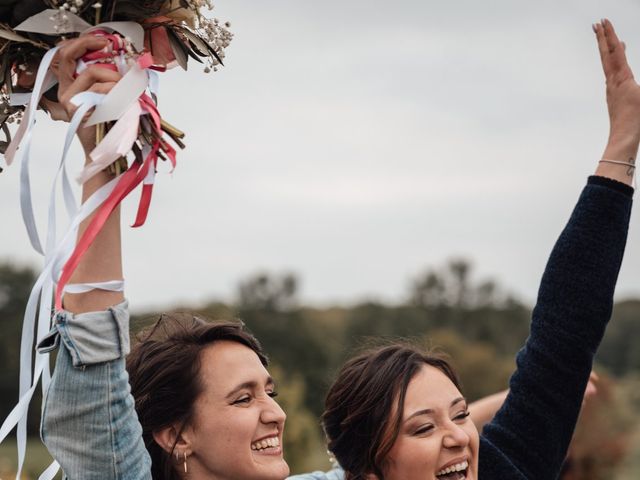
{"points": [[103, 259], [531, 432], [89, 421]]}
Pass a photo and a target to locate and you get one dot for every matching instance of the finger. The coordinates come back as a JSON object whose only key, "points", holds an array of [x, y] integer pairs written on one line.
{"points": [[613, 42], [104, 87], [617, 50], [66, 58], [602, 46], [87, 79]]}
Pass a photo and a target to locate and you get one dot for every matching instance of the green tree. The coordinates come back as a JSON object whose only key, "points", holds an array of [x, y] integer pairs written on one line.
{"points": [[304, 445], [268, 292], [619, 351], [15, 286]]}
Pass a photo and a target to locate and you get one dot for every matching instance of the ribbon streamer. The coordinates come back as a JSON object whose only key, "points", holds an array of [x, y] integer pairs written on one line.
{"points": [[126, 104]]}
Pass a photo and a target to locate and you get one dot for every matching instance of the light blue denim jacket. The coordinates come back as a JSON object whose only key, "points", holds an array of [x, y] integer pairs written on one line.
{"points": [[89, 422]]}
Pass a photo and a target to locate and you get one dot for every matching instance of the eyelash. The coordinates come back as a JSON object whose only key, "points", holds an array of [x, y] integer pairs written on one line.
{"points": [[428, 428], [463, 415], [246, 399], [425, 429]]}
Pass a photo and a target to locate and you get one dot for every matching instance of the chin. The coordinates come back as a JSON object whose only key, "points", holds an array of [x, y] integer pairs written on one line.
{"points": [[277, 471]]}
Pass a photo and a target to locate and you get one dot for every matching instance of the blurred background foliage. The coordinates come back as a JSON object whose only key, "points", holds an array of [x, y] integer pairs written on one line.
{"points": [[479, 323]]}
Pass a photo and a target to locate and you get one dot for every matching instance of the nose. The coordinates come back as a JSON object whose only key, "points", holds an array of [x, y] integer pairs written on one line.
{"points": [[272, 412], [455, 437]]}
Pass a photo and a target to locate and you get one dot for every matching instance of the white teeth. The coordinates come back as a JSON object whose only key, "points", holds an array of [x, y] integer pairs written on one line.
{"points": [[270, 442], [454, 468]]}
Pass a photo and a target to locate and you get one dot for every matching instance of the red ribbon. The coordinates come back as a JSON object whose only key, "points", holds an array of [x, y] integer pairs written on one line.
{"points": [[129, 180]]}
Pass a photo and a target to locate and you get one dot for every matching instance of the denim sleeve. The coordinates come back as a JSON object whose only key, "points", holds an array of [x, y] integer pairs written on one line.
{"points": [[89, 423]]}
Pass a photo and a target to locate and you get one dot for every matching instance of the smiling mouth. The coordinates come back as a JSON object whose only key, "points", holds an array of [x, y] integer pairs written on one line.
{"points": [[266, 445], [454, 472]]}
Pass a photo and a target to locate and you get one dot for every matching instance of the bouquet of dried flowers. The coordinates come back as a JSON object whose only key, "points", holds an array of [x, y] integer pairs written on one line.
{"points": [[174, 31]]}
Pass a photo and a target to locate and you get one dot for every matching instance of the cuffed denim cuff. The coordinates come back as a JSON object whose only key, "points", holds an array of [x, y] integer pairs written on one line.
{"points": [[91, 338]]}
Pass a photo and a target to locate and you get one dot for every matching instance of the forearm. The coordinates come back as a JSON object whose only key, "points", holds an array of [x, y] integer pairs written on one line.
{"points": [[103, 259], [575, 300], [482, 411]]}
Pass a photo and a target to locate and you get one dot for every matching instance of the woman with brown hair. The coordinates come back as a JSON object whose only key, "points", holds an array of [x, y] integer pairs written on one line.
{"points": [[397, 413], [394, 413]]}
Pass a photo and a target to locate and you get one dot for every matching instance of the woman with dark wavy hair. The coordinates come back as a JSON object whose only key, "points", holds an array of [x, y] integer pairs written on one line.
{"points": [[395, 413]]}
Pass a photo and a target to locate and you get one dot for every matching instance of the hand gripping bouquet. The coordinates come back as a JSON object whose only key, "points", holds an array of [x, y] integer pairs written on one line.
{"points": [[145, 38]]}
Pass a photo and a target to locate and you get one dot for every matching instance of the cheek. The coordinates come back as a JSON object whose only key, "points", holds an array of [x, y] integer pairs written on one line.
{"points": [[475, 441], [228, 428], [411, 457]]}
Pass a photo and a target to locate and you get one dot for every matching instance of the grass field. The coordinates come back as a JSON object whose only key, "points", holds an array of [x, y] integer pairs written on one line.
{"points": [[36, 461]]}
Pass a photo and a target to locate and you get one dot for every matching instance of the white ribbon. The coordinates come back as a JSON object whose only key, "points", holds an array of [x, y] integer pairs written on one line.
{"points": [[55, 258], [25, 131], [117, 143], [111, 285], [51, 271], [121, 96], [120, 104]]}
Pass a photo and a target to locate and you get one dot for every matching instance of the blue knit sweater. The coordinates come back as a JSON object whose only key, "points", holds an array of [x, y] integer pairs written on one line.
{"points": [[529, 436]]}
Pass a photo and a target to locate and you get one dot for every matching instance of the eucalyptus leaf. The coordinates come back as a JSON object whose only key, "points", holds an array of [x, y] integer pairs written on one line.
{"points": [[179, 49], [200, 45], [14, 37], [194, 55]]}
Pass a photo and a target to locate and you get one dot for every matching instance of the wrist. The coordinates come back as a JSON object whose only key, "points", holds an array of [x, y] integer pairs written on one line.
{"points": [[87, 137], [622, 145], [620, 155]]}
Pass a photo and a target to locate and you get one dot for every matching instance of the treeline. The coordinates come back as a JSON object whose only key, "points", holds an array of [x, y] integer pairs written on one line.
{"points": [[478, 323]]}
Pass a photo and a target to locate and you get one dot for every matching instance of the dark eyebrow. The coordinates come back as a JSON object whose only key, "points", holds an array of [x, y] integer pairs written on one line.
{"points": [[250, 386], [427, 411]]}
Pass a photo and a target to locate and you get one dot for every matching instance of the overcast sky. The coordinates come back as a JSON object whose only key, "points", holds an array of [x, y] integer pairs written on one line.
{"points": [[357, 143]]}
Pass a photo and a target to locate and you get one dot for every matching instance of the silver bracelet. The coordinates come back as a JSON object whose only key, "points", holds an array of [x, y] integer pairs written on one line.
{"points": [[618, 162]]}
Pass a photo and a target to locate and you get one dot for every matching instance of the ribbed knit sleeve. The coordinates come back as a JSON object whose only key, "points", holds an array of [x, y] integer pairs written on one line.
{"points": [[529, 436]]}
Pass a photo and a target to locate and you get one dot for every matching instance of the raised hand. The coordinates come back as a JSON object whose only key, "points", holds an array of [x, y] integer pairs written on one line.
{"points": [[623, 102], [94, 79]]}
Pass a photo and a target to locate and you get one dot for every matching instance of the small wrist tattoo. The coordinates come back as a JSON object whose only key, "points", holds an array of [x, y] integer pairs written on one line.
{"points": [[631, 169]]}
